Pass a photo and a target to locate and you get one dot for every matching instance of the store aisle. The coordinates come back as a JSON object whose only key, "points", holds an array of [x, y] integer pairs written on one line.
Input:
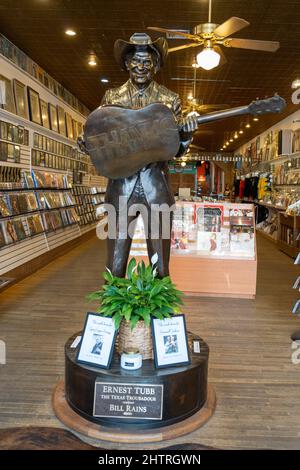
{"points": [[257, 384]]}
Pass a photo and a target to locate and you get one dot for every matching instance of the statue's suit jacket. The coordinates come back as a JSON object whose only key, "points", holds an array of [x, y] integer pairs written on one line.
{"points": [[154, 177]]}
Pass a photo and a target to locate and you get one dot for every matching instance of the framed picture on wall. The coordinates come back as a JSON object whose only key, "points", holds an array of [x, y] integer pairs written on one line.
{"points": [[80, 128], [21, 99], [45, 114], [69, 126], [53, 117], [61, 120], [75, 129], [34, 106], [6, 95]]}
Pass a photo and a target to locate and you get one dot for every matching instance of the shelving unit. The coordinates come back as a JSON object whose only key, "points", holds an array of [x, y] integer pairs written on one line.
{"points": [[27, 146], [289, 228]]}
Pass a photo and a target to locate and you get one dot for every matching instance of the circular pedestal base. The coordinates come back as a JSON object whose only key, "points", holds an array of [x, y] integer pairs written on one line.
{"points": [[74, 421], [146, 398]]}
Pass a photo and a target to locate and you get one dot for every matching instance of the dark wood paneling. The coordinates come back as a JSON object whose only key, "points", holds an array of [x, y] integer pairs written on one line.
{"points": [[38, 27]]}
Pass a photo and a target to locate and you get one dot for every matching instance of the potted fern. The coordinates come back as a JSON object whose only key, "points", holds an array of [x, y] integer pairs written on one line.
{"points": [[133, 300]]}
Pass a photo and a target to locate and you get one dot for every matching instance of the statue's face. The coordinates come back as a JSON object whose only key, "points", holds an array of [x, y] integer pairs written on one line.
{"points": [[141, 68]]}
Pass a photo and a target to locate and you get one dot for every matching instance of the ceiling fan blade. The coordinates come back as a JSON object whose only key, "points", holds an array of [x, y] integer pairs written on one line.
{"points": [[185, 46], [223, 59], [172, 31], [230, 26], [206, 107], [268, 46], [196, 147]]}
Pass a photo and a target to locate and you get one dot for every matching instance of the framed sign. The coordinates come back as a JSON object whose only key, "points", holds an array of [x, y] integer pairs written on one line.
{"points": [[170, 342], [53, 117], [61, 120], [45, 115], [98, 340], [34, 106], [6, 95], [69, 126], [21, 99]]}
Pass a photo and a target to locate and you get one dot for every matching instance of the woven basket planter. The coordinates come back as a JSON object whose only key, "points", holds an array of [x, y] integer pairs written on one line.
{"points": [[140, 337]]}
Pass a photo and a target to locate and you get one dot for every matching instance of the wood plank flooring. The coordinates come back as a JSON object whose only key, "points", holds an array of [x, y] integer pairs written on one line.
{"points": [[257, 385]]}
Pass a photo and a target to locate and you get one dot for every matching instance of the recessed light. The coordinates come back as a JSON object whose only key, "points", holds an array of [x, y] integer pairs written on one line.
{"points": [[255, 119], [70, 32], [104, 80], [248, 125]]}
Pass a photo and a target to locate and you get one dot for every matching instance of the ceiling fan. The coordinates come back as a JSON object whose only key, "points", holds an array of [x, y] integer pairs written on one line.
{"points": [[211, 36], [196, 105]]}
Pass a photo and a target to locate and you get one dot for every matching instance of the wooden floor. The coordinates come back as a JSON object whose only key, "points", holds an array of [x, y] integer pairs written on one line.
{"points": [[257, 386]]}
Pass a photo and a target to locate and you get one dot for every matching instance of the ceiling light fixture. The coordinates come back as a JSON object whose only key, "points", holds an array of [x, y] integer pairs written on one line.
{"points": [[183, 164], [236, 136], [255, 119], [208, 58], [92, 60], [104, 80], [241, 131], [248, 125], [70, 32], [296, 84]]}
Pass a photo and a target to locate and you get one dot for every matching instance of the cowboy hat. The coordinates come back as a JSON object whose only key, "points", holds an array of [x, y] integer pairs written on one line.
{"points": [[140, 41]]}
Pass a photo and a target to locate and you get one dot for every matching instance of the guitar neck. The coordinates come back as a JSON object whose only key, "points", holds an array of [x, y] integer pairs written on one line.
{"points": [[217, 115]]}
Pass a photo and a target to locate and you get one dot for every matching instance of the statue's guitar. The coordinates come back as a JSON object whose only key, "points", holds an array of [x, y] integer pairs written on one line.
{"points": [[121, 141]]}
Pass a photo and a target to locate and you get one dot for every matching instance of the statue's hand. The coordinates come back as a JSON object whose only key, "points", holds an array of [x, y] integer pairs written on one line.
{"points": [[81, 143], [189, 123]]}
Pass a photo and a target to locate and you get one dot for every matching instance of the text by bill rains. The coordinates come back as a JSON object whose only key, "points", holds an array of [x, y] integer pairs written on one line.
{"points": [[151, 459]]}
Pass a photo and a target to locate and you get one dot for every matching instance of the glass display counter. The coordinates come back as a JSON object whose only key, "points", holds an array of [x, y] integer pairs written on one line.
{"points": [[213, 249]]}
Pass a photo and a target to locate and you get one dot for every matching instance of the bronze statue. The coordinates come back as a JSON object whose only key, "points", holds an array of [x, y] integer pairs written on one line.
{"points": [[142, 58], [133, 134]]}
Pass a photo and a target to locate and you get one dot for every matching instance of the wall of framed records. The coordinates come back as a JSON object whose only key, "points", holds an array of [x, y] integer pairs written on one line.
{"points": [[17, 57], [30, 99], [40, 212]]}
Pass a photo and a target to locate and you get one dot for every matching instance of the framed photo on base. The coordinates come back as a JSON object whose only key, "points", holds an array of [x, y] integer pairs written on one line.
{"points": [[98, 340], [170, 342]]}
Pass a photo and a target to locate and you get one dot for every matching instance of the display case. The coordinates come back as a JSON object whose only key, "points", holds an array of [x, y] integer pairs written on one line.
{"points": [[213, 249]]}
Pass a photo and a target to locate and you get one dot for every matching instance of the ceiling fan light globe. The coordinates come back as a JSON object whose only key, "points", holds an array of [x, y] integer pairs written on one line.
{"points": [[208, 59]]}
